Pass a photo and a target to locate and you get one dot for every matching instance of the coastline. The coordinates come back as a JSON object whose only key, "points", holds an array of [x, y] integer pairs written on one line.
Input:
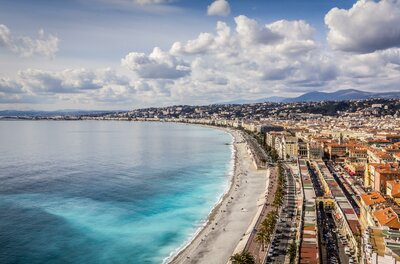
{"points": [[228, 222], [175, 253]]}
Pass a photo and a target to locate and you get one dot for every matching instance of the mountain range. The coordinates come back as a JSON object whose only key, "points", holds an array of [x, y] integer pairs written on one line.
{"points": [[340, 95]]}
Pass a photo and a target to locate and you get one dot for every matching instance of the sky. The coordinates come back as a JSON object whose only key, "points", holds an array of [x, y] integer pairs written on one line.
{"points": [[127, 54]]}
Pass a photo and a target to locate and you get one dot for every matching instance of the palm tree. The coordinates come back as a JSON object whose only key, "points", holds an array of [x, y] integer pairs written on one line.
{"points": [[242, 258], [292, 250], [278, 199], [262, 237]]}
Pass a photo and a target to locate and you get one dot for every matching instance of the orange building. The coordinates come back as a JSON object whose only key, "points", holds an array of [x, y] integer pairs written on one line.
{"points": [[387, 217], [355, 169], [377, 174], [393, 190], [379, 156], [368, 201]]}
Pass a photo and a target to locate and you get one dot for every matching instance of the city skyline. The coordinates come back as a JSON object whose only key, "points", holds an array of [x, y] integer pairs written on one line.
{"points": [[103, 54]]}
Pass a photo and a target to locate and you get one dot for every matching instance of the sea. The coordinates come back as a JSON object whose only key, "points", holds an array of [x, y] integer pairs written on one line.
{"points": [[106, 191]]}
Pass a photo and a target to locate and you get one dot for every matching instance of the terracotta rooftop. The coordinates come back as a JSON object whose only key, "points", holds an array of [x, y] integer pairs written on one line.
{"points": [[372, 198], [386, 167], [395, 185], [387, 217]]}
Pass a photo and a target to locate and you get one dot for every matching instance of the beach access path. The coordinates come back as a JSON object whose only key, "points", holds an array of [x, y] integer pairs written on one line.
{"points": [[229, 221]]}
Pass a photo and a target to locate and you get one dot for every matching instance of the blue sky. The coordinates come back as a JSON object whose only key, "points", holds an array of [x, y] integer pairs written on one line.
{"points": [[104, 54]]}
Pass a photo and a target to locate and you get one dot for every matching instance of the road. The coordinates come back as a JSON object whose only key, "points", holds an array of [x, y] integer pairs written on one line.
{"points": [[286, 228], [349, 193], [331, 248]]}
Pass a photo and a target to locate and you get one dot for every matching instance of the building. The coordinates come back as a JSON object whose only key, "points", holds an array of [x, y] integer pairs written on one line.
{"points": [[290, 147], [279, 147], [379, 156], [336, 150], [358, 155], [303, 150], [355, 169], [314, 151], [377, 174], [387, 217], [268, 128], [381, 246], [368, 202], [271, 136], [393, 190]]}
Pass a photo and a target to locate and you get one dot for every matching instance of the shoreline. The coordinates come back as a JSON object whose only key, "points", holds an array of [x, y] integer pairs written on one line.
{"points": [[174, 254], [228, 222]]}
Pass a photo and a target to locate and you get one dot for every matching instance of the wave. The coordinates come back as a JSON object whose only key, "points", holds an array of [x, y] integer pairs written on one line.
{"points": [[203, 223]]}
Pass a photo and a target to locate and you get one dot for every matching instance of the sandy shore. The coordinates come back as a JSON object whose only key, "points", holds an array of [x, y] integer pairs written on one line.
{"points": [[229, 221]]}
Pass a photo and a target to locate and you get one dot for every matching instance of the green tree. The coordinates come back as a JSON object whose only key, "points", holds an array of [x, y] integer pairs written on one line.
{"points": [[292, 250], [262, 238], [242, 258]]}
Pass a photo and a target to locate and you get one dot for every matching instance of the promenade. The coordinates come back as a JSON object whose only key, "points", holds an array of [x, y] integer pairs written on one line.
{"points": [[252, 246]]}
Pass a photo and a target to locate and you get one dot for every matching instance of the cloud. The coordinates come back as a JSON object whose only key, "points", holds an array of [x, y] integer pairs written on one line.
{"points": [[245, 60], [8, 86], [83, 86], [366, 27], [196, 46], [27, 47], [219, 8], [249, 59], [5, 36], [157, 65], [69, 80], [249, 31]]}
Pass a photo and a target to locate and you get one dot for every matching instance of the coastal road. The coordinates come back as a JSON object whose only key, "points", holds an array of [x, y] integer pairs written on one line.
{"points": [[286, 227]]}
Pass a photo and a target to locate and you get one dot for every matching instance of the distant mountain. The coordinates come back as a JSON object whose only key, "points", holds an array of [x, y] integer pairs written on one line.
{"points": [[272, 99], [341, 95]]}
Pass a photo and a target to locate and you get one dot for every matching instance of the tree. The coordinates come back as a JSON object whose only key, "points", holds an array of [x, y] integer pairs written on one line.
{"points": [[262, 237], [278, 199], [274, 155], [292, 252], [242, 258]]}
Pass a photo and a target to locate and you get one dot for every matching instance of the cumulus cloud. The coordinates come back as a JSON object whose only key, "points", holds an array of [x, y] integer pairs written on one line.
{"points": [[248, 59], [196, 46], [219, 8], [8, 86], [4, 36], [366, 27], [44, 45], [157, 65], [249, 31], [245, 60], [70, 85], [69, 80]]}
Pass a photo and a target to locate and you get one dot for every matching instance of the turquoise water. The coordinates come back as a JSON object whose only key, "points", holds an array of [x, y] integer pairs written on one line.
{"points": [[106, 192]]}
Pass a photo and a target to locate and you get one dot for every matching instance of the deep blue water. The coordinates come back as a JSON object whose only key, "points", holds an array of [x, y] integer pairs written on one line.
{"points": [[105, 192]]}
